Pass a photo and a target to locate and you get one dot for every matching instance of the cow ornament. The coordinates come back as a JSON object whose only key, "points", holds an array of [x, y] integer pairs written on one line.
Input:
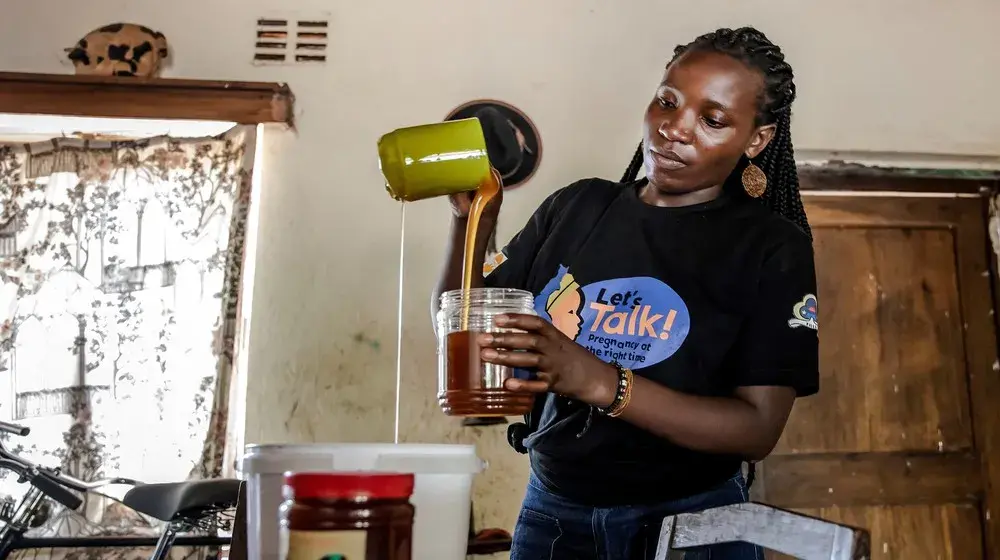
{"points": [[119, 49]]}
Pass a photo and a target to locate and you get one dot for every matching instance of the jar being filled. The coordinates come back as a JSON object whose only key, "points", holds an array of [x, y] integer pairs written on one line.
{"points": [[363, 516], [468, 386]]}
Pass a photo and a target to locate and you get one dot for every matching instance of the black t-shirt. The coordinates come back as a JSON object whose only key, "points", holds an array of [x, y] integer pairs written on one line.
{"points": [[702, 299]]}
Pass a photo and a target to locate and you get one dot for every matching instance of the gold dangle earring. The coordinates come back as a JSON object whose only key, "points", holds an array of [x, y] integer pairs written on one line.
{"points": [[754, 180]]}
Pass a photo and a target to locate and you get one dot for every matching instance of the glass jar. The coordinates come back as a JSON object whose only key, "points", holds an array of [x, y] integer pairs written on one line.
{"points": [[347, 516], [468, 386]]}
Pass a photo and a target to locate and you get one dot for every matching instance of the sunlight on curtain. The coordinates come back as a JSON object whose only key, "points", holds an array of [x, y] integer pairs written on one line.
{"points": [[120, 268]]}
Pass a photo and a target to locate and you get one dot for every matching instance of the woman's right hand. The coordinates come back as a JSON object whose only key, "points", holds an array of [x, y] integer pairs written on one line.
{"points": [[461, 203]]}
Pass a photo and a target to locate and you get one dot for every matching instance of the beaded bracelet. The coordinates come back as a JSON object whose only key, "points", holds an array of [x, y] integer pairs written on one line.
{"points": [[623, 393]]}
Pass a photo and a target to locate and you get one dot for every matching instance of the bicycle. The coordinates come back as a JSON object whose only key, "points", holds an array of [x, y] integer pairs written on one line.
{"points": [[183, 506]]}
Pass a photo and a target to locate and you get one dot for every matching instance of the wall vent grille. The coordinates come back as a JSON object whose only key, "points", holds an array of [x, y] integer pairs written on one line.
{"points": [[291, 40]]}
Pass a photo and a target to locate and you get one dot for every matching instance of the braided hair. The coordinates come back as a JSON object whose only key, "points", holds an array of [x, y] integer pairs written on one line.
{"points": [[774, 106]]}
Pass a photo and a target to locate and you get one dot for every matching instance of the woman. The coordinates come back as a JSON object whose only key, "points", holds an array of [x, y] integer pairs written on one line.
{"points": [[696, 323]]}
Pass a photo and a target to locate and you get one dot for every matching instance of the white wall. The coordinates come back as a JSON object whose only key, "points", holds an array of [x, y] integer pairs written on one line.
{"points": [[889, 76]]}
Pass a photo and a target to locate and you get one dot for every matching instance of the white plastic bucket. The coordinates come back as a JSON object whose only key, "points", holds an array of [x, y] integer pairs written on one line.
{"points": [[442, 494]]}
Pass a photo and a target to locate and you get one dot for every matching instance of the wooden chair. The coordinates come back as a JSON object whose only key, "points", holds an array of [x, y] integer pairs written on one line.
{"points": [[796, 535], [487, 541]]}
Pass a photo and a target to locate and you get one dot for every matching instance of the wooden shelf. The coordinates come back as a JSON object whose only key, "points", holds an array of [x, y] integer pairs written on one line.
{"points": [[145, 98]]}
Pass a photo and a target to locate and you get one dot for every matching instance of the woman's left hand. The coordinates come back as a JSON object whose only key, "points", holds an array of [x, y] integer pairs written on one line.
{"points": [[563, 366]]}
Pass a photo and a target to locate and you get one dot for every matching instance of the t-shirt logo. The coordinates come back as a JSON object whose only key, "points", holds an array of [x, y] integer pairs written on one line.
{"points": [[804, 314], [637, 322]]}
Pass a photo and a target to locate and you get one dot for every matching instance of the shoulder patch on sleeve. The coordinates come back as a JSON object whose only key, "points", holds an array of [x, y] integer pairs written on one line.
{"points": [[804, 313], [493, 263]]}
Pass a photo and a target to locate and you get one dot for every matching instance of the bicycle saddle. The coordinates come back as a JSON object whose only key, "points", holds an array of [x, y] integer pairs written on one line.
{"points": [[178, 500]]}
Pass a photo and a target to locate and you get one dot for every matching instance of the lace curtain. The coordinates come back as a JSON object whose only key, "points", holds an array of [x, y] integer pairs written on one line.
{"points": [[119, 279]]}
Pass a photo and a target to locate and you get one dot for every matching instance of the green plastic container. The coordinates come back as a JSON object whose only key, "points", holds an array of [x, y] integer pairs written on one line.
{"points": [[432, 160]]}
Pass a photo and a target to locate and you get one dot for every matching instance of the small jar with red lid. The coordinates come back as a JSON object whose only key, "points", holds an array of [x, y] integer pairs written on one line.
{"points": [[347, 516]]}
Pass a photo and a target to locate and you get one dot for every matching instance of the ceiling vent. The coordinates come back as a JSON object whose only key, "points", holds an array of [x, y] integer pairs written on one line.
{"points": [[287, 41]]}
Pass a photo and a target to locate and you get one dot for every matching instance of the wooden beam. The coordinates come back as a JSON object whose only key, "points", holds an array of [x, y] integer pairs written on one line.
{"points": [[815, 481], [973, 254], [145, 98], [812, 179], [890, 211]]}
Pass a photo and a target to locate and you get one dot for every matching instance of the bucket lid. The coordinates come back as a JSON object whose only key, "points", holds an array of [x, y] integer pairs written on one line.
{"points": [[412, 458]]}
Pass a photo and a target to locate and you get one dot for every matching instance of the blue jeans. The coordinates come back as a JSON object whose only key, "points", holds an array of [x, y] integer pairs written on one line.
{"points": [[553, 528]]}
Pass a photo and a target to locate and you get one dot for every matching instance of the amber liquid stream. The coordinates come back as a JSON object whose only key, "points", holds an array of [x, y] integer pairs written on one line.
{"points": [[484, 194], [475, 388]]}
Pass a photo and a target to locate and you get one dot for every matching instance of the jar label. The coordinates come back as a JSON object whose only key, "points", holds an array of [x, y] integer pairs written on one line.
{"points": [[326, 545]]}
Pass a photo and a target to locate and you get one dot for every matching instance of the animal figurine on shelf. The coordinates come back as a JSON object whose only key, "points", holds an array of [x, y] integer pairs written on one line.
{"points": [[119, 49]]}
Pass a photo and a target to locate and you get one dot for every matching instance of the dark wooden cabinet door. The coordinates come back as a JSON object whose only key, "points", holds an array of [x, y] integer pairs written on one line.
{"points": [[903, 437]]}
